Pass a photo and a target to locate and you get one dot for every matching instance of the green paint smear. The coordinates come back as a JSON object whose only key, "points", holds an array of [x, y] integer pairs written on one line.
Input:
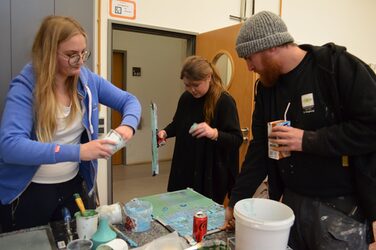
{"points": [[89, 212]]}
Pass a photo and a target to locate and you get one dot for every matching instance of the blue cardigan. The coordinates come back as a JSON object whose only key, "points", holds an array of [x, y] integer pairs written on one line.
{"points": [[20, 152]]}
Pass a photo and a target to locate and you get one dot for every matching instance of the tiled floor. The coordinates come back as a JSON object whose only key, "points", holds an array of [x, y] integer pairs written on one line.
{"points": [[136, 181]]}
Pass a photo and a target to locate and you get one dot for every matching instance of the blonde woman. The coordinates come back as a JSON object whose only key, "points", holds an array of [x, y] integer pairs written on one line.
{"points": [[207, 131], [49, 142]]}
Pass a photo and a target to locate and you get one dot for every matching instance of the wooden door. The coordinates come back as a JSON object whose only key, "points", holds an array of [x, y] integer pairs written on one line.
{"points": [[118, 81], [241, 87]]}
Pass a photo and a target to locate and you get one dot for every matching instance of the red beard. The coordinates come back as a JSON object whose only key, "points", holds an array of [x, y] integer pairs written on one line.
{"points": [[269, 76]]}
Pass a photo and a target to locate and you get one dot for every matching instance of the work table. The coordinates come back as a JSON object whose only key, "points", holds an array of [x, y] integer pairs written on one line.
{"points": [[156, 231]]}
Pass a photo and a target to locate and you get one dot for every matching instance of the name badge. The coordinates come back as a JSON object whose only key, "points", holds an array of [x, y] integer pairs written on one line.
{"points": [[308, 103]]}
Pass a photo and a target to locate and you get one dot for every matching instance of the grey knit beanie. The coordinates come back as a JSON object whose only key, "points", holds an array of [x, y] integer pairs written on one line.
{"points": [[261, 31]]}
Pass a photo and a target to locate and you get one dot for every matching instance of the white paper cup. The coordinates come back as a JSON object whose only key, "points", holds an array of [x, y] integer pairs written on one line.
{"points": [[115, 244], [86, 226], [113, 213], [115, 136]]}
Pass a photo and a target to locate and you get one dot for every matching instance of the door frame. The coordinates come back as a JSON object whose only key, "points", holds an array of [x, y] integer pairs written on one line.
{"points": [[123, 85], [146, 29]]}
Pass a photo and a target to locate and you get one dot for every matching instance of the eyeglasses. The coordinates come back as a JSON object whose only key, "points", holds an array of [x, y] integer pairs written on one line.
{"points": [[74, 59]]}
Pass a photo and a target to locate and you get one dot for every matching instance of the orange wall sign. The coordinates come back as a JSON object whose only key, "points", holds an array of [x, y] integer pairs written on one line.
{"points": [[123, 9]]}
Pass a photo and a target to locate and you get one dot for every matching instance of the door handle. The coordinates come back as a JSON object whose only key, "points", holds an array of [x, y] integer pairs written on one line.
{"points": [[245, 134]]}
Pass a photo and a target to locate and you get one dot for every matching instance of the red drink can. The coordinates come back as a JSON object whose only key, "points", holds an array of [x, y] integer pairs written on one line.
{"points": [[200, 224]]}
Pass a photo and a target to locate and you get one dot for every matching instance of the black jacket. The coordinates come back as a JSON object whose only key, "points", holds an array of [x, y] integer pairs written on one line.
{"points": [[353, 134], [362, 164], [209, 167]]}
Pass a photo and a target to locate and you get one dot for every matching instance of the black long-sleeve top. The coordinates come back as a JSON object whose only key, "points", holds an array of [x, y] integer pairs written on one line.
{"points": [[209, 167], [318, 170]]}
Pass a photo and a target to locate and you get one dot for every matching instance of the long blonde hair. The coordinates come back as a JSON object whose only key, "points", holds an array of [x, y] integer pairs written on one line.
{"points": [[196, 68], [53, 31]]}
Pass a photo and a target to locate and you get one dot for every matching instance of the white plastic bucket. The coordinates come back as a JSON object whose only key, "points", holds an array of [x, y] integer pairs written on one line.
{"points": [[262, 224]]}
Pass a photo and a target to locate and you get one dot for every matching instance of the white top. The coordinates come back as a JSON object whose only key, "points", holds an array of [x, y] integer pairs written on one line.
{"points": [[63, 171]]}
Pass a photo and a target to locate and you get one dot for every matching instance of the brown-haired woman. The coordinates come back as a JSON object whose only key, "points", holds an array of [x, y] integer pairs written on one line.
{"points": [[207, 131]]}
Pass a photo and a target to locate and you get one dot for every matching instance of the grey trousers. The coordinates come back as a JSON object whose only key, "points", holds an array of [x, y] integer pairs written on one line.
{"points": [[318, 225]]}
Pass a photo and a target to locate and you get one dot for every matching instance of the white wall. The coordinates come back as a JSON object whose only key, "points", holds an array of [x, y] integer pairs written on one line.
{"points": [[345, 22], [193, 16], [160, 59]]}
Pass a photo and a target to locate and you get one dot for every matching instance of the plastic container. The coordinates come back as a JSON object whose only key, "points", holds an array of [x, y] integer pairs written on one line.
{"points": [[138, 215], [262, 224], [80, 244]]}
